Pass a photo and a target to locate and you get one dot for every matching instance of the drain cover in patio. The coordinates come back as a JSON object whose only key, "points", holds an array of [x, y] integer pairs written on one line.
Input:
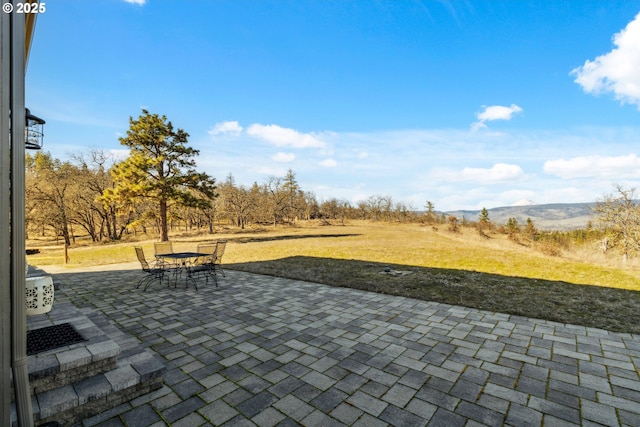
{"points": [[50, 337]]}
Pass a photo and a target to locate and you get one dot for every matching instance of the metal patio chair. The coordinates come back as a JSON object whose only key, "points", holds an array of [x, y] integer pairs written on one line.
{"points": [[152, 272], [220, 247], [205, 265], [160, 248]]}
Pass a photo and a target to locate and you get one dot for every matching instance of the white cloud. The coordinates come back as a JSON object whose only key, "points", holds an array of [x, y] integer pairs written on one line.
{"points": [[616, 71], [328, 163], [595, 166], [495, 112], [453, 168], [229, 128], [138, 2], [283, 157], [498, 173], [284, 137], [119, 154]]}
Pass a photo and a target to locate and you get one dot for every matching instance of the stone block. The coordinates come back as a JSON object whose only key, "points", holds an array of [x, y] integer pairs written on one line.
{"points": [[58, 400], [103, 350], [122, 378], [92, 388]]}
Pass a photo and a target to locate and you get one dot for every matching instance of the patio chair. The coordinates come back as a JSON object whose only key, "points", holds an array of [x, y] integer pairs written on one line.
{"points": [[220, 247], [152, 272], [162, 248], [205, 265]]}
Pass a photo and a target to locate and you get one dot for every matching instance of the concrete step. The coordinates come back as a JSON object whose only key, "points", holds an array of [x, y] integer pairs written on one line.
{"points": [[75, 402], [81, 380]]}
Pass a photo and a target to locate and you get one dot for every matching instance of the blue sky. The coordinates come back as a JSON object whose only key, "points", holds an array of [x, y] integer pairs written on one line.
{"points": [[467, 104]]}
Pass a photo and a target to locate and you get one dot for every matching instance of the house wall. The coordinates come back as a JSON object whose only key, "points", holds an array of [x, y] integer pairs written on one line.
{"points": [[12, 212]]}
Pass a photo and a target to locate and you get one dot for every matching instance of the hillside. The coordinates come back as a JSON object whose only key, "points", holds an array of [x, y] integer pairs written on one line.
{"points": [[555, 216]]}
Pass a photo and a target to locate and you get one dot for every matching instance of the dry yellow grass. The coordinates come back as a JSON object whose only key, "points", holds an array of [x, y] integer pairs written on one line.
{"points": [[493, 274]]}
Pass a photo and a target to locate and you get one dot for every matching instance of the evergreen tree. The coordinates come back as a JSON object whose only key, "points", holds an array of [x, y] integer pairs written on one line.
{"points": [[431, 217], [512, 228], [293, 194], [530, 230], [484, 217], [484, 223], [161, 167]]}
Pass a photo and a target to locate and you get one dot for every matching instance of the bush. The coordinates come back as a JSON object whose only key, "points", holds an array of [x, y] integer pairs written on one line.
{"points": [[549, 247], [453, 224]]}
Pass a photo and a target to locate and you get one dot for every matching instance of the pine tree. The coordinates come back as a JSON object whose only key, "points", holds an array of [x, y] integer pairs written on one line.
{"points": [[484, 223], [512, 228], [484, 217], [431, 213], [161, 167], [530, 230]]}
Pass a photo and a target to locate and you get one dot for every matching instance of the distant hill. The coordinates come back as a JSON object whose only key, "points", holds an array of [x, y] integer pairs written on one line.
{"points": [[555, 216]]}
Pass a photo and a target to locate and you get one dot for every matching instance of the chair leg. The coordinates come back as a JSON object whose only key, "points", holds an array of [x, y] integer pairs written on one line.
{"points": [[221, 270], [195, 284], [212, 272], [152, 279], [146, 281]]}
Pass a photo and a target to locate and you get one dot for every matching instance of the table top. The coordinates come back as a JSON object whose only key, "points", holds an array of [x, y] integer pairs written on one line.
{"points": [[182, 255]]}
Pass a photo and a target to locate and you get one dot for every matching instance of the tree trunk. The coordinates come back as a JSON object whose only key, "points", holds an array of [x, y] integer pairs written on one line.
{"points": [[164, 232], [101, 234], [65, 232]]}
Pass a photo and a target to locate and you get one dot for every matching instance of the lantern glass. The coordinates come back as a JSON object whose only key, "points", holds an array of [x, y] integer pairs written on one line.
{"points": [[33, 132]]}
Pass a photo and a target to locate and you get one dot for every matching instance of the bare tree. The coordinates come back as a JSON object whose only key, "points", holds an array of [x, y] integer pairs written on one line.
{"points": [[376, 206], [335, 209], [51, 184], [311, 206], [619, 214], [239, 202], [277, 199], [403, 212], [89, 207]]}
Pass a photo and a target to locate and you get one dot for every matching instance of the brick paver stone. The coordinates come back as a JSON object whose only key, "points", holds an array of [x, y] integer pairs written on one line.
{"points": [[268, 351]]}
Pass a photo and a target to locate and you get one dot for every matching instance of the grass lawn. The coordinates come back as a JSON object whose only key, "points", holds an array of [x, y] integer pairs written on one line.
{"points": [[464, 269]]}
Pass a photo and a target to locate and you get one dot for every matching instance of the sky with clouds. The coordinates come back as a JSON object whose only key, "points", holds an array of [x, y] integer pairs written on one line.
{"points": [[464, 103]]}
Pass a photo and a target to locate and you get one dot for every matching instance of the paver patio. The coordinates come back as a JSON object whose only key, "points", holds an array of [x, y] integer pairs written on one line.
{"points": [[267, 351]]}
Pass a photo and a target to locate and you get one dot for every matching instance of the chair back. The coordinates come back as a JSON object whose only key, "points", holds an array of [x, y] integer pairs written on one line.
{"points": [[209, 249], [142, 259], [162, 248], [220, 246]]}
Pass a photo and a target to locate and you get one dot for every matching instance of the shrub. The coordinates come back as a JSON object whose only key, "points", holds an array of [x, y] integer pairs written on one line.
{"points": [[453, 224], [549, 247]]}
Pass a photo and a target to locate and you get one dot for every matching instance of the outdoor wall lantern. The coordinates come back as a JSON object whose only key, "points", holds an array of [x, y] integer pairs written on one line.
{"points": [[33, 132]]}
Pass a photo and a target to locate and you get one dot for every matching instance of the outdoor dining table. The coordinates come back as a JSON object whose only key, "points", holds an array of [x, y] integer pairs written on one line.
{"points": [[182, 262]]}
